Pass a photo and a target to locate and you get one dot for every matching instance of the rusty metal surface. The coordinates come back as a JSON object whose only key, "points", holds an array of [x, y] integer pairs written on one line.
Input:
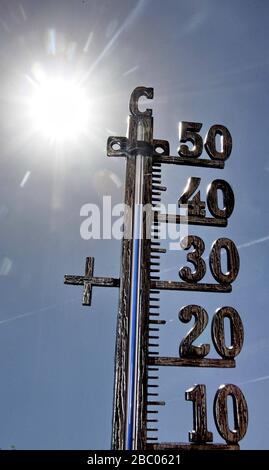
{"points": [[191, 220], [236, 332], [191, 447], [122, 328], [191, 362], [188, 161], [186, 348], [228, 199], [194, 257], [233, 261], [145, 122], [240, 412], [194, 287], [200, 433]]}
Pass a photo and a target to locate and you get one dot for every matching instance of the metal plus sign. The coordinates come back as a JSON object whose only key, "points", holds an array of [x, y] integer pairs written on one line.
{"points": [[88, 281]]}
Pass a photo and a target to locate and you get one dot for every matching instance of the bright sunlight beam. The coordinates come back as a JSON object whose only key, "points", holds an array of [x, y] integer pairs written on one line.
{"points": [[59, 109]]}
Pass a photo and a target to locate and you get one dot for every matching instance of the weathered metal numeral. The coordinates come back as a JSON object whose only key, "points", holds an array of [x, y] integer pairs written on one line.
{"points": [[233, 261], [226, 142], [200, 433], [240, 410], [236, 329], [186, 349], [194, 257], [228, 199], [195, 205], [188, 132]]}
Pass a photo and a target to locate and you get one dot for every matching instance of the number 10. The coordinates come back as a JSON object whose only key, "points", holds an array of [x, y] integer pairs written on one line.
{"points": [[200, 433]]}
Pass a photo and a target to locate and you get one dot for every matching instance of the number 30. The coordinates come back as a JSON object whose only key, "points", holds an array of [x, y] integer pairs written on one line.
{"points": [[195, 257]]}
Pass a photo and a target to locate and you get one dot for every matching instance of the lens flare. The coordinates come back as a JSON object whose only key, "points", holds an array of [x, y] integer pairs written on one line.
{"points": [[60, 109]]}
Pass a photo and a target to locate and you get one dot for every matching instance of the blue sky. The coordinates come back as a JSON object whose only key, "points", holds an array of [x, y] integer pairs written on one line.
{"points": [[208, 62]]}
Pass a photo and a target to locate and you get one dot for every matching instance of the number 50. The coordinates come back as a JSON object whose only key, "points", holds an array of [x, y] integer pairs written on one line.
{"points": [[189, 132]]}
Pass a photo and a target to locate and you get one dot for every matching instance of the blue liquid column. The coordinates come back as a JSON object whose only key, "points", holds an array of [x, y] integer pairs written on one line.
{"points": [[135, 302]]}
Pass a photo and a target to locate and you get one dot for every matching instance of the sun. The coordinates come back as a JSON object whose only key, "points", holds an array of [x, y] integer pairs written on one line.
{"points": [[60, 109]]}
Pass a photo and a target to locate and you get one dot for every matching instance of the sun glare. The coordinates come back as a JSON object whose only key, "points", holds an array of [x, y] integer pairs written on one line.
{"points": [[59, 109]]}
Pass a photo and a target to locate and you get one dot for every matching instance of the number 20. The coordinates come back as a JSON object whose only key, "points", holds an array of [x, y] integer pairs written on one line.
{"points": [[186, 348]]}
